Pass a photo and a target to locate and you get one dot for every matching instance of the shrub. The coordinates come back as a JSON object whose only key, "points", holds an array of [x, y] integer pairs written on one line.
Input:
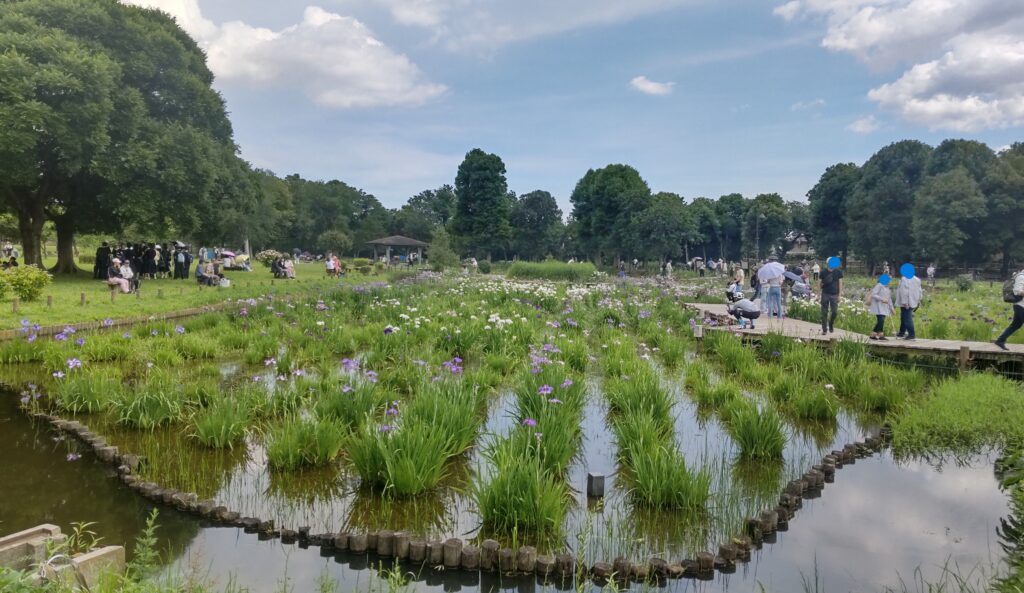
{"points": [[964, 283], [440, 255], [27, 282], [552, 270], [484, 266], [86, 259], [267, 256]]}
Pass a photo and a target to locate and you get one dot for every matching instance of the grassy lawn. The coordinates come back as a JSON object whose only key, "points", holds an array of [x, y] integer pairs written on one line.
{"points": [[176, 295]]}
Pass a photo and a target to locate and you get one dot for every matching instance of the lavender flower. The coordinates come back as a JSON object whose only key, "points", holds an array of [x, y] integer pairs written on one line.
{"points": [[74, 363], [74, 456], [566, 383], [529, 422], [179, 329], [545, 389]]}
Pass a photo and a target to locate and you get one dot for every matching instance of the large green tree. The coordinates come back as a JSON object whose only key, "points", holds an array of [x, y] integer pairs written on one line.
{"points": [[604, 204], [1002, 228], [706, 220], [663, 228], [537, 228], [730, 210], [480, 225], [880, 212], [828, 201], [765, 225], [945, 209], [160, 149]]}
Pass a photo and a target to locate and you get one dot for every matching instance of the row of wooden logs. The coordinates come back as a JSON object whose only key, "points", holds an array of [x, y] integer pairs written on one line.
{"points": [[490, 556]]}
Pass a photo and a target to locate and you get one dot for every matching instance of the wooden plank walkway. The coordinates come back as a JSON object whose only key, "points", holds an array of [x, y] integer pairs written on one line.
{"points": [[963, 351]]}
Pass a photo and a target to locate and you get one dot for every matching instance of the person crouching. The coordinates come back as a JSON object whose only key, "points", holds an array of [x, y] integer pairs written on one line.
{"points": [[740, 307]]}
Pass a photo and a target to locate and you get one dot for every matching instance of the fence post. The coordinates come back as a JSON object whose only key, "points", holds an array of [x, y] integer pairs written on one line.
{"points": [[81, 300], [49, 301], [159, 293], [965, 358]]}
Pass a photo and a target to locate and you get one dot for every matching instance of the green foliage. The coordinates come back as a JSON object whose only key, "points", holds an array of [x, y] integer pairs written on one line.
{"points": [[536, 227], [222, 424], [440, 254], [758, 434], [403, 460], [484, 266], [481, 221], [519, 496], [828, 201], [551, 270], [962, 415], [946, 209], [604, 203], [309, 442], [26, 282]]}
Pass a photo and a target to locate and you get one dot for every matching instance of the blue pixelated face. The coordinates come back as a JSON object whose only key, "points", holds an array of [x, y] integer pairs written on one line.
{"points": [[834, 262], [907, 271], [884, 280]]}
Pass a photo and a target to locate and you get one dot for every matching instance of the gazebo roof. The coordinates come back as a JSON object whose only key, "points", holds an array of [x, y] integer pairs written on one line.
{"points": [[397, 241]]}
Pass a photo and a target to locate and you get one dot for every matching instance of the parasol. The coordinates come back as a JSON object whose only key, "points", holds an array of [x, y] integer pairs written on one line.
{"points": [[770, 271]]}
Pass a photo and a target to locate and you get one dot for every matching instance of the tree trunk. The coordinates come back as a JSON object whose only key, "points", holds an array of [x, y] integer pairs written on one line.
{"points": [[65, 247], [30, 228]]}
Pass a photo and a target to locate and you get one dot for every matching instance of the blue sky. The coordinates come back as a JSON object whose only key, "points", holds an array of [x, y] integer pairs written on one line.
{"points": [[702, 97]]}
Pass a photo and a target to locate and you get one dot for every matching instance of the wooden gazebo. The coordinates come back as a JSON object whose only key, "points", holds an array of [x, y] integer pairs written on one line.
{"points": [[398, 242]]}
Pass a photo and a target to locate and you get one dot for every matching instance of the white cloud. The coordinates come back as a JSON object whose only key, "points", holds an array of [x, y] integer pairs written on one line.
{"points": [[788, 11], [864, 125], [807, 105], [461, 24], [963, 59], [335, 60], [650, 87]]}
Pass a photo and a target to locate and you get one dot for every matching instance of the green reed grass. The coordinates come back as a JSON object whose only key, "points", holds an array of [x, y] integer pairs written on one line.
{"points": [[757, 433], [962, 415], [403, 459], [222, 424], [519, 496], [309, 442], [88, 391]]}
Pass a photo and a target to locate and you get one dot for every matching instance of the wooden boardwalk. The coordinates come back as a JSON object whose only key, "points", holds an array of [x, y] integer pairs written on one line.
{"points": [[964, 352]]}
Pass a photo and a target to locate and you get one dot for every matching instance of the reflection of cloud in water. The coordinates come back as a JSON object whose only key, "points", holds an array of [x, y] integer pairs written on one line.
{"points": [[880, 522]]}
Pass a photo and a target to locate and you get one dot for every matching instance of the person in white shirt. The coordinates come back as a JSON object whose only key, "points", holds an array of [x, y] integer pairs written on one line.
{"points": [[1018, 310], [908, 298]]}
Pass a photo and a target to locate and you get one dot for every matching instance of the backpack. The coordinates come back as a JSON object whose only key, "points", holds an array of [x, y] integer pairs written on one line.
{"points": [[1008, 295], [181, 257]]}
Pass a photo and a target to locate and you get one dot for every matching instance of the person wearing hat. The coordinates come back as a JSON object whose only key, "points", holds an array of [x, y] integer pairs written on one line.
{"points": [[831, 290], [114, 277]]}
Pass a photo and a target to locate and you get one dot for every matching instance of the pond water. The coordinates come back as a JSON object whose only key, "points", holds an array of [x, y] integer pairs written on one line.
{"points": [[879, 523]]}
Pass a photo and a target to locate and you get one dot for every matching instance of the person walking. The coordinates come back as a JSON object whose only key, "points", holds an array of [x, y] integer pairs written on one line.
{"points": [[880, 305], [908, 298], [1016, 296], [931, 275], [816, 269], [831, 290]]}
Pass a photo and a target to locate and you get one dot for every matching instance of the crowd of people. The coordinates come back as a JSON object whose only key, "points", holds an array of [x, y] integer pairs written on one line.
{"points": [[124, 266]]}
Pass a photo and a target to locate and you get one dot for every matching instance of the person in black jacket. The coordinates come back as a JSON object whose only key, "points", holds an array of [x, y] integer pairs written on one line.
{"points": [[99, 268]]}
